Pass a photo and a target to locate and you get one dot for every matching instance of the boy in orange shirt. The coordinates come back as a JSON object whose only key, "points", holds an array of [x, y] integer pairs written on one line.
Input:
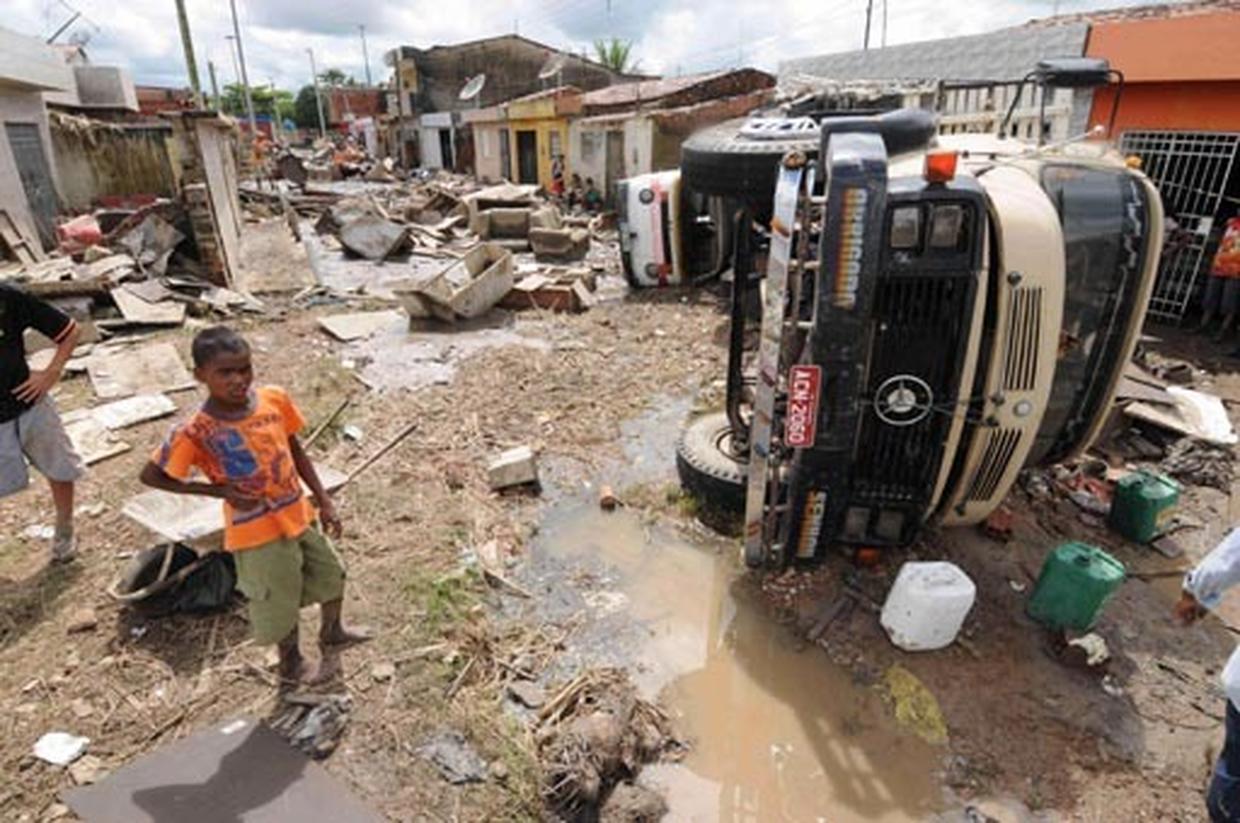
{"points": [[245, 441]]}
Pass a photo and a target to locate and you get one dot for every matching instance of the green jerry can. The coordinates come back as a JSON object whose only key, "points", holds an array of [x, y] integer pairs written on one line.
{"points": [[1144, 502], [1076, 581]]}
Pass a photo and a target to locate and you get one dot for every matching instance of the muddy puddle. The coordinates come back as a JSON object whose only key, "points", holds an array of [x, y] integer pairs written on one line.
{"points": [[777, 731]]}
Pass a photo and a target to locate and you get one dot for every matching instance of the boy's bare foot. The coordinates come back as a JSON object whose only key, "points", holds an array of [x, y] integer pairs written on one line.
{"points": [[292, 672], [327, 670], [342, 635]]}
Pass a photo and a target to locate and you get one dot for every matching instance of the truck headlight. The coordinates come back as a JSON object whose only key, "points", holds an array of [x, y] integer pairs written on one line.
{"points": [[945, 225], [645, 195], [906, 227]]}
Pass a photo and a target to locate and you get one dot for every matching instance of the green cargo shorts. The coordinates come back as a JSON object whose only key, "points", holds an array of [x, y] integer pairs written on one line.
{"points": [[280, 577]]}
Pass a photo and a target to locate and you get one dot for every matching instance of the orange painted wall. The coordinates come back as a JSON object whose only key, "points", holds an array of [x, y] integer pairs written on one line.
{"points": [[1190, 47], [1180, 106]]}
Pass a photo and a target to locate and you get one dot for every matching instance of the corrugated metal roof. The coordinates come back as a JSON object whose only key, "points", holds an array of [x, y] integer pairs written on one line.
{"points": [[1006, 54], [645, 90]]}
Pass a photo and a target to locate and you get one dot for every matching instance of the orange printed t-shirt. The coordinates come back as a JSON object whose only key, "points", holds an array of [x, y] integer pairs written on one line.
{"points": [[252, 452], [1227, 258]]}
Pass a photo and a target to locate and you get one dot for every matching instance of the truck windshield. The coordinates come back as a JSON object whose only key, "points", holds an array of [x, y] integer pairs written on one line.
{"points": [[1104, 215]]}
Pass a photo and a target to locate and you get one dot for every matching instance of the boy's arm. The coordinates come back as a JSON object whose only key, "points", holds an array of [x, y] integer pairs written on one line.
{"points": [[305, 469], [155, 477], [64, 331]]}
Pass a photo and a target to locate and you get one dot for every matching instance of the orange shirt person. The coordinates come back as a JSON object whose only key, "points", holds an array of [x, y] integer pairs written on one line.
{"points": [[244, 440]]}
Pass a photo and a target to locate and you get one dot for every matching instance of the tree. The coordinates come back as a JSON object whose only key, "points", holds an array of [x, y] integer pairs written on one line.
{"points": [[335, 77], [306, 109], [267, 100], [614, 54]]}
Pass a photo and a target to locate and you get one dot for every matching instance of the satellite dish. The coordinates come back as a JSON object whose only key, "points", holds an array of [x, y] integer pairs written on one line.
{"points": [[473, 88], [553, 66]]}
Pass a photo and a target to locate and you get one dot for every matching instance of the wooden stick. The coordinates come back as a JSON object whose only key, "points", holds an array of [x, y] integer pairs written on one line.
{"points": [[387, 447], [344, 404]]}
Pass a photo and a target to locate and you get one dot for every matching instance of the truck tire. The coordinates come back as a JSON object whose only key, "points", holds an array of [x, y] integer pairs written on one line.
{"points": [[721, 161], [708, 469]]}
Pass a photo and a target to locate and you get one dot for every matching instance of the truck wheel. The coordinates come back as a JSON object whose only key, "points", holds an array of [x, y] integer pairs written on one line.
{"points": [[722, 161], [708, 469]]}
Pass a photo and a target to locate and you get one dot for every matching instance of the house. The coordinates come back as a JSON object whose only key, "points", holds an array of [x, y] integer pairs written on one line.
{"points": [[635, 128], [28, 190], [430, 81], [521, 139], [104, 92], [1179, 111], [152, 100]]}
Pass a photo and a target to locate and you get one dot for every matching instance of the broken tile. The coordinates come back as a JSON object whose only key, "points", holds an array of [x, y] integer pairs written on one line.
{"points": [[93, 441], [123, 372], [355, 326], [515, 467], [136, 310]]}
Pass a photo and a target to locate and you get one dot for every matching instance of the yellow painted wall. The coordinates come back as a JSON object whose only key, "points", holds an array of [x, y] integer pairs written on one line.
{"points": [[543, 128]]}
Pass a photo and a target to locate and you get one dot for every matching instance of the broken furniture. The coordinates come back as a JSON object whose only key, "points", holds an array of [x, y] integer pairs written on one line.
{"points": [[468, 288]]}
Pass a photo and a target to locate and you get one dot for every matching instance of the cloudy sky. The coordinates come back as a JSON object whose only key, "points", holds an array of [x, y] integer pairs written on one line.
{"points": [[669, 36]]}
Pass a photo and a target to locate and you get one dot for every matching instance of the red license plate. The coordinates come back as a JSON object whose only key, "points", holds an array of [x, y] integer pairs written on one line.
{"points": [[804, 386]]}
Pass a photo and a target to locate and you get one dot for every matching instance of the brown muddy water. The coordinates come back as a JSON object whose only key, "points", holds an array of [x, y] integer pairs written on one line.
{"points": [[778, 733]]}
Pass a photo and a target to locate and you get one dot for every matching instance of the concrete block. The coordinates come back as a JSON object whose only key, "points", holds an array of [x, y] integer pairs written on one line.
{"points": [[515, 467]]}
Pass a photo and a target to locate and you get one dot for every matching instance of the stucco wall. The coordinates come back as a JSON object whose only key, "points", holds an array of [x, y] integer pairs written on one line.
{"points": [[112, 161], [21, 107]]}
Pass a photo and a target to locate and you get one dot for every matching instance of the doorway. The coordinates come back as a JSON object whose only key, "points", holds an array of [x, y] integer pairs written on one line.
{"points": [[527, 157], [615, 163], [36, 177], [505, 155], [446, 153]]}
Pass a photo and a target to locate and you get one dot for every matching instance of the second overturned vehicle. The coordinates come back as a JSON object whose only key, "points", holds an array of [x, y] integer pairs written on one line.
{"points": [[936, 314]]}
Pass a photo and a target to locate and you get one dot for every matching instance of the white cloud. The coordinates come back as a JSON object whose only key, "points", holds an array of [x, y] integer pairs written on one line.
{"points": [[669, 35]]}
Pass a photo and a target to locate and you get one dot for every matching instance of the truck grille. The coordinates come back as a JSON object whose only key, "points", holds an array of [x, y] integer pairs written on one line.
{"points": [[1020, 369], [919, 328], [1000, 446]]}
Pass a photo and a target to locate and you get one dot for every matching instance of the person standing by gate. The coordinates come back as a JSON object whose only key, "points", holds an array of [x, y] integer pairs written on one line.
{"points": [[1222, 295], [30, 428]]}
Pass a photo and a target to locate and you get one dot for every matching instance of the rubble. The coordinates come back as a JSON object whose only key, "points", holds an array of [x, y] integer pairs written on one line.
{"points": [[457, 761], [515, 467]]}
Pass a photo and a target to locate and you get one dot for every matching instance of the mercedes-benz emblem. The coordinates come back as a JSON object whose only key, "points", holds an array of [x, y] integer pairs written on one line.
{"points": [[903, 400]]}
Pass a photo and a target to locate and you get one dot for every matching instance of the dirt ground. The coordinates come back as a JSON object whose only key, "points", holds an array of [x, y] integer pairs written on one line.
{"points": [[1028, 732]]}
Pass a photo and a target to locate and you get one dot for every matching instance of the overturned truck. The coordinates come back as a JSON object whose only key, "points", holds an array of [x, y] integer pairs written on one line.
{"points": [[936, 314]]}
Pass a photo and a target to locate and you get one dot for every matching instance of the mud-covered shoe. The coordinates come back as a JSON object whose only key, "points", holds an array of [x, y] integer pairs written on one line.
{"points": [[64, 548]]}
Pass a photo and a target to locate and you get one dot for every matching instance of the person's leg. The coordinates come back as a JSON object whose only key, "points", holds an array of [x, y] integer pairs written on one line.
{"points": [[45, 442], [1210, 301], [270, 578], [323, 577], [1223, 797]]}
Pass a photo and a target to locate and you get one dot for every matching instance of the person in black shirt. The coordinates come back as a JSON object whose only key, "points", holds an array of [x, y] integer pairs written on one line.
{"points": [[30, 428]]}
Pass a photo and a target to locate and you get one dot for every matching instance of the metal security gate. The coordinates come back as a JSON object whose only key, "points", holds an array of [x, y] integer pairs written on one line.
{"points": [[36, 176], [1191, 170], [966, 107]]}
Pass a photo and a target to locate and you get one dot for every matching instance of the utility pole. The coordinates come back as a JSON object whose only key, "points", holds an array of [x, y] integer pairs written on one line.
{"points": [[884, 23], [869, 13], [187, 43], [215, 87], [365, 55], [318, 99], [245, 81]]}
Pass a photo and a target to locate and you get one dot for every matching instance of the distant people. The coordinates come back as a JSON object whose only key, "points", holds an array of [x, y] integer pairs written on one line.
{"points": [[593, 197], [245, 441], [557, 176], [576, 191], [1222, 295], [30, 428]]}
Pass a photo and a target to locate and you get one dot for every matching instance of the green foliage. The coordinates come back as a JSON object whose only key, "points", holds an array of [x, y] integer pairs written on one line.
{"points": [[615, 54], [335, 77], [267, 100], [305, 110]]}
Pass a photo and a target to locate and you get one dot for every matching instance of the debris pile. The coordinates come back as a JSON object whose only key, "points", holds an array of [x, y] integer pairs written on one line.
{"points": [[594, 733]]}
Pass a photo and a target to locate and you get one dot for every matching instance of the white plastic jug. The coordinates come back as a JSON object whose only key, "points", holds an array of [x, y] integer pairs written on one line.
{"points": [[927, 605]]}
